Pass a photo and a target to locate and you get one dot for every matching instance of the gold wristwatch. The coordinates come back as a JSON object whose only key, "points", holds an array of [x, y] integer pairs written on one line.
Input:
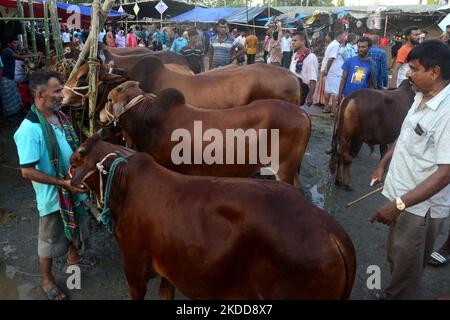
{"points": [[400, 204]]}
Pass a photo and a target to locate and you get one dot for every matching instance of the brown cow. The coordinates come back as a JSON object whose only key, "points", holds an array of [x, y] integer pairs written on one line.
{"points": [[367, 116], [112, 72], [218, 238], [215, 90], [149, 124]]}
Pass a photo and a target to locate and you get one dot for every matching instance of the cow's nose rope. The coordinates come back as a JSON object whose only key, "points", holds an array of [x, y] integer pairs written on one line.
{"points": [[102, 171]]}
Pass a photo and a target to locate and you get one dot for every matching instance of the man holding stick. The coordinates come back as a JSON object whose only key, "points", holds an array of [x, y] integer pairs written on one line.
{"points": [[417, 183]]}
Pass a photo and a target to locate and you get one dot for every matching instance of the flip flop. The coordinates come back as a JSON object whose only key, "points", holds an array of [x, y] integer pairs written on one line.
{"points": [[55, 292], [438, 260]]}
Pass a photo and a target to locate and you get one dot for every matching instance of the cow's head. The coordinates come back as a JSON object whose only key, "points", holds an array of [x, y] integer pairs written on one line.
{"points": [[76, 87], [119, 100], [92, 160]]}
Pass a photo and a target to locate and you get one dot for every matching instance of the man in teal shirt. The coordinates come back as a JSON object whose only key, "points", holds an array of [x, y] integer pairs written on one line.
{"points": [[178, 44], [46, 126]]}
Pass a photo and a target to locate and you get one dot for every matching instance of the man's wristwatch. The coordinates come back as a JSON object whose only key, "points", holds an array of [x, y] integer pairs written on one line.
{"points": [[400, 204]]}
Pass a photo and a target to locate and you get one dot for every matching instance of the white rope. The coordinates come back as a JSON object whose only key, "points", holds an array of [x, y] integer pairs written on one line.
{"points": [[101, 171]]}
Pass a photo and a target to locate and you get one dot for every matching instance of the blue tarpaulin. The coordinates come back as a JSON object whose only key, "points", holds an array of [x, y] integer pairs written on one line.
{"points": [[86, 11], [205, 15]]}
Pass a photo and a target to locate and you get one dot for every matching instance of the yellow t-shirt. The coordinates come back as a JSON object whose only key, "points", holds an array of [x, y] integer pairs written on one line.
{"points": [[252, 44]]}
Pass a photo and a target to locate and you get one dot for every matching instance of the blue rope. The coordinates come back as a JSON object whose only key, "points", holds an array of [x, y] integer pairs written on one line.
{"points": [[105, 216]]}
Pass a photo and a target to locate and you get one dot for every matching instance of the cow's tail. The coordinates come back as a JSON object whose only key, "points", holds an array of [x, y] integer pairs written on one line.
{"points": [[337, 129], [348, 258]]}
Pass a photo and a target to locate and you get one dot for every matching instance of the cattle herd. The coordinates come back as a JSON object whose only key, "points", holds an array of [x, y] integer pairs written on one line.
{"points": [[211, 230]]}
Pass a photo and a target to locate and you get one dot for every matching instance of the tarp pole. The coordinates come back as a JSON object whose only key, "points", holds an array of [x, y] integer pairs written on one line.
{"points": [[106, 8], [33, 30], [46, 35], [56, 30], [93, 64], [22, 22], [385, 26]]}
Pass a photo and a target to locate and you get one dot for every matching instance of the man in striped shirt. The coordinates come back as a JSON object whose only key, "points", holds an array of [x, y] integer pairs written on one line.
{"points": [[221, 47]]}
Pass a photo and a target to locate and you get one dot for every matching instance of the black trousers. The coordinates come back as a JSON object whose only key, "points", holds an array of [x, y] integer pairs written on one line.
{"points": [[304, 90], [251, 58], [286, 60], [266, 53]]}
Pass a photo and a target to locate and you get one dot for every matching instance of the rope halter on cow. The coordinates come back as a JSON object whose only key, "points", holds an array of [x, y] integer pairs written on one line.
{"points": [[76, 90], [112, 115]]}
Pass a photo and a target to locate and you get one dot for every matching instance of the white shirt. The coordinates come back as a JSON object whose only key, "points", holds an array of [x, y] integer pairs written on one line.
{"points": [[309, 69], [416, 157], [401, 75], [240, 39], [334, 50], [286, 44], [65, 37]]}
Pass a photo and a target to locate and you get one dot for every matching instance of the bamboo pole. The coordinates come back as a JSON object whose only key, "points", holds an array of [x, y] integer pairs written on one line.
{"points": [[33, 30], [56, 29], [93, 64], [22, 22], [385, 25], [46, 35], [106, 8], [20, 19]]}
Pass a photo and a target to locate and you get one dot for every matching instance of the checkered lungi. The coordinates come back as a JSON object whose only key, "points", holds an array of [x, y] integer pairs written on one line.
{"points": [[9, 92]]}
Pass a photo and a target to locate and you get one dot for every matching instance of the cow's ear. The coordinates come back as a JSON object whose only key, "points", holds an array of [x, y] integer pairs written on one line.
{"points": [[104, 133]]}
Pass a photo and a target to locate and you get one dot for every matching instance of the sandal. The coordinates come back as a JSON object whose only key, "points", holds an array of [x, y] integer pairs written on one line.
{"points": [[326, 111], [438, 260], [54, 292]]}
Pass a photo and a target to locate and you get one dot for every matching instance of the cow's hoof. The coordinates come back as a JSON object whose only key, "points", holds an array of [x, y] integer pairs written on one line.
{"points": [[348, 187], [338, 182]]}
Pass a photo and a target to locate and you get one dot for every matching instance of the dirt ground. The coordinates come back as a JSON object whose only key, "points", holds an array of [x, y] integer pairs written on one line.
{"points": [[19, 270]]}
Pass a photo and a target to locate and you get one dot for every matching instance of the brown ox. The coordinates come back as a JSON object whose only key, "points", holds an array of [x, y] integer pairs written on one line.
{"points": [[215, 90], [218, 238], [150, 123], [111, 72], [367, 116]]}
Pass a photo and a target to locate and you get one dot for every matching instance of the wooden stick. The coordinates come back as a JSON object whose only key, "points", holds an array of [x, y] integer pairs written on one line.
{"points": [[95, 21], [33, 30], [364, 196], [106, 8], [56, 29], [46, 36], [22, 22]]}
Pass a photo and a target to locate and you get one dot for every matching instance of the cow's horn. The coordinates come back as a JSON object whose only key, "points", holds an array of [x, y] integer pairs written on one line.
{"points": [[101, 55], [82, 151]]}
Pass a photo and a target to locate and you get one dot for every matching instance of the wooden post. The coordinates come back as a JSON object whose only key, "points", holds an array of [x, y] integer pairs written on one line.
{"points": [[46, 35], [160, 24], [93, 64], [56, 29], [24, 29], [385, 25], [33, 31], [106, 8]]}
